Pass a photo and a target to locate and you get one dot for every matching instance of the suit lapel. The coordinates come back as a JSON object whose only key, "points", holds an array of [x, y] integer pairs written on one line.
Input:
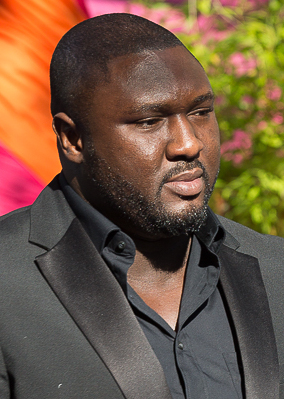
{"points": [[96, 302], [247, 300], [51, 216]]}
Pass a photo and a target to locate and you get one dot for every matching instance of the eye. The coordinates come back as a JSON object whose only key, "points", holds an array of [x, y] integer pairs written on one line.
{"points": [[147, 123], [202, 112]]}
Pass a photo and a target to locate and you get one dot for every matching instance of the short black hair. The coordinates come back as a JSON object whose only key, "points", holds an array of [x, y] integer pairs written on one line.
{"points": [[80, 59]]}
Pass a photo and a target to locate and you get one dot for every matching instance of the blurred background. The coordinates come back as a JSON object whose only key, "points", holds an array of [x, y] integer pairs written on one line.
{"points": [[241, 46]]}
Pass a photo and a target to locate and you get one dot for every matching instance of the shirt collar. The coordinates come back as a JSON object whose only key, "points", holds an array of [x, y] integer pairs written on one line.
{"points": [[97, 226], [212, 233]]}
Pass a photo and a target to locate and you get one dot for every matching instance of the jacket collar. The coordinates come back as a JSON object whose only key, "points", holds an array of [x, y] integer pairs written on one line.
{"points": [[247, 303], [92, 296], [51, 216]]}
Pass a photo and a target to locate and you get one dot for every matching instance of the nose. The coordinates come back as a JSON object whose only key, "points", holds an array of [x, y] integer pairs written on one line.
{"points": [[183, 144]]}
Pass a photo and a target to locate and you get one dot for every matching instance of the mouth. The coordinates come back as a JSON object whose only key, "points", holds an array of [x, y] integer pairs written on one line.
{"points": [[187, 184]]}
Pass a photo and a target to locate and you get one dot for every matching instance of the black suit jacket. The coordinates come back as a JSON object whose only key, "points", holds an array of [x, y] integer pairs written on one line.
{"points": [[67, 330]]}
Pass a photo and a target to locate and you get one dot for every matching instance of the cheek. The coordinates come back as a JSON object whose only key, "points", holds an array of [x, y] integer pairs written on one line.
{"points": [[131, 161], [143, 153], [213, 149], [211, 154]]}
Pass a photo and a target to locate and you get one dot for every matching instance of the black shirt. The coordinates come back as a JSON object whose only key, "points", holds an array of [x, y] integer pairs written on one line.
{"points": [[199, 359]]}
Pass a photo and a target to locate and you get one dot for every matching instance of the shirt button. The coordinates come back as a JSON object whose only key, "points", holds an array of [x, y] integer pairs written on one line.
{"points": [[120, 246], [180, 345]]}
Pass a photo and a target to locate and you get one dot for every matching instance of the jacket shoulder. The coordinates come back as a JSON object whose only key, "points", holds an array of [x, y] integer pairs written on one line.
{"points": [[250, 242], [15, 224]]}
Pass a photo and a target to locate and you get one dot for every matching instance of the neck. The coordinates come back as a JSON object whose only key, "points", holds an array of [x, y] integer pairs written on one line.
{"points": [[157, 274], [164, 255]]}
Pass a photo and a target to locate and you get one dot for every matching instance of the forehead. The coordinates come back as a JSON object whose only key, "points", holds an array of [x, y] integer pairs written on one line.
{"points": [[152, 77]]}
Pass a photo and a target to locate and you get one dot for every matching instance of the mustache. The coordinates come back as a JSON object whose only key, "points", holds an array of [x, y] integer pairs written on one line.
{"points": [[181, 167]]}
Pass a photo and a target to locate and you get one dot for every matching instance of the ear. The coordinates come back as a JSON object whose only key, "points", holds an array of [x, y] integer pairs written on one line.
{"points": [[68, 137]]}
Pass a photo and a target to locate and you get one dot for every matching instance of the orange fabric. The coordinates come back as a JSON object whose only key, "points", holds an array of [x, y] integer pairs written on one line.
{"points": [[29, 32]]}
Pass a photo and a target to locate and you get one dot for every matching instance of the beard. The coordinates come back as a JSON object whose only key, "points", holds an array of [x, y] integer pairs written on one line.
{"points": [[149, 216]]}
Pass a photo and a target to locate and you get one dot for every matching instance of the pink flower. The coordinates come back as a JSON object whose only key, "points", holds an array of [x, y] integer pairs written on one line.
{"points": [[234, 3], [241, 64], [278, 119], [175, 1], [208, 25], [240, 140], [238, 158], [256, 3], [262, 125], [227, 147], [248, 99], [274, 94], [97, 7], [219, 100], [172, 19], [229, 3], [205, 22]]}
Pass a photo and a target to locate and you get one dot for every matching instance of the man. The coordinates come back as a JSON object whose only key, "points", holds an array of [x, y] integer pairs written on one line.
{"points": [[119, 282]]}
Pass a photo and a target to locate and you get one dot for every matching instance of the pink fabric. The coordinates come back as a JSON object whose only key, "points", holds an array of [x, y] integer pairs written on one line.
{"points": [[18, 187]]}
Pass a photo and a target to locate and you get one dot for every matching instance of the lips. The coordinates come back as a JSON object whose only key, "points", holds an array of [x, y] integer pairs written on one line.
{"points": [[186, 184]]}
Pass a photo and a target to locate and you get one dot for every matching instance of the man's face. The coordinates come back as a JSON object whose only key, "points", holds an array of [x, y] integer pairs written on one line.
{"points": [[152, 155]]}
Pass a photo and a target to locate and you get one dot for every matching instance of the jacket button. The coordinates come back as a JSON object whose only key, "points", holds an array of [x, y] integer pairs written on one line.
{"points": [[120, 246]]}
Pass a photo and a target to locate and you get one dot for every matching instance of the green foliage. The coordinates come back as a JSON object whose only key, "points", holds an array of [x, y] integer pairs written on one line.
{"points": [[242, 50]]}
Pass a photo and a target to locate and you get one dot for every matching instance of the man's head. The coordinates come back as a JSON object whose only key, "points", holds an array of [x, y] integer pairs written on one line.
{"points": [[80, 60], [138, 137]]}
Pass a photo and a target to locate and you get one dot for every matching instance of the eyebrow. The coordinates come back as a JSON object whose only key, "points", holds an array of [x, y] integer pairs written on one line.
{"points": [[204, 97], [164, 107]]}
